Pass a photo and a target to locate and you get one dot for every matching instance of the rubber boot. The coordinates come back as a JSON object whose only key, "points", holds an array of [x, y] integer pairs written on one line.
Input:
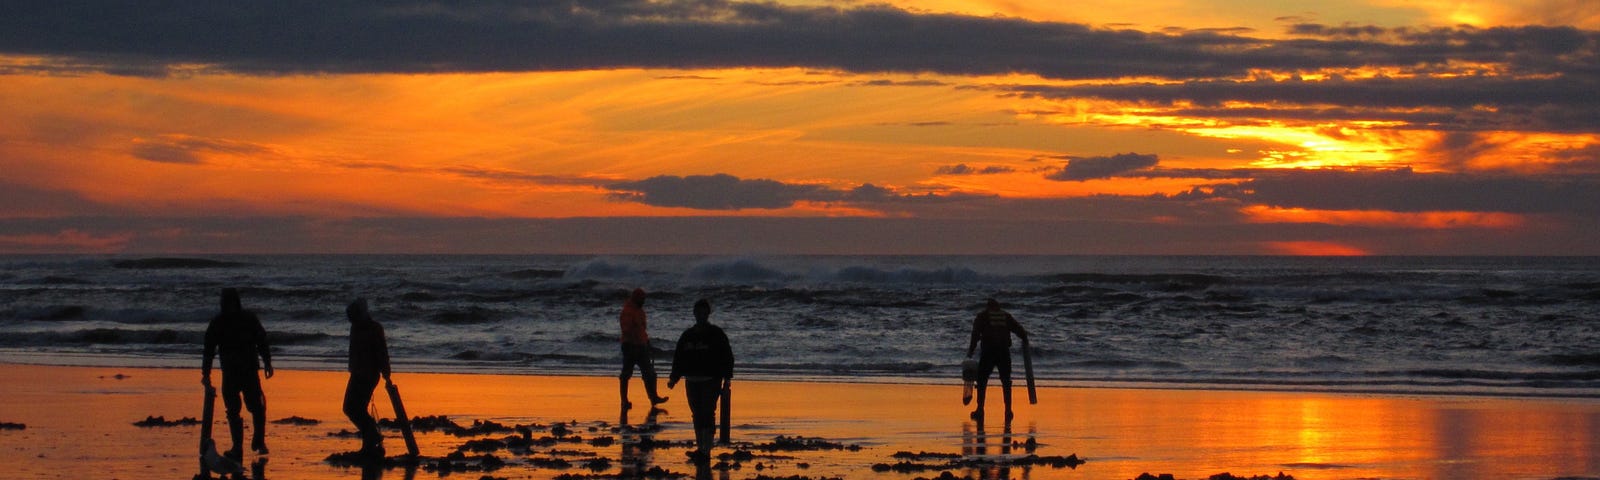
{"points": [[704, 438], [650, 389], [236, 431], [983, 395], [258, 442], [1008, 403]]}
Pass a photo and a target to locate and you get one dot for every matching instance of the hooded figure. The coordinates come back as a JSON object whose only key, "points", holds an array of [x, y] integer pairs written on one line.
{"points": [[237, 335], [636, 350], [369, 360]]}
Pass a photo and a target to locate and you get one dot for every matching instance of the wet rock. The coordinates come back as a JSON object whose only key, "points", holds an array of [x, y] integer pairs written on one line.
{"points": [[297, 421], [598, 464], [1229, 476], [162, 421], [800, 443]]}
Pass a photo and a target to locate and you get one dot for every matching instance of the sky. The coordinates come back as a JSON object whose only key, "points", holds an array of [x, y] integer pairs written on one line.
{"points": [[1162, 127]]}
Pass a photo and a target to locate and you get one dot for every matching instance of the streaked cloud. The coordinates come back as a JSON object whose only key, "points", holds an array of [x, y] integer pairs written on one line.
{"points": [[963, 169], [713, 192], [1089, 168]]}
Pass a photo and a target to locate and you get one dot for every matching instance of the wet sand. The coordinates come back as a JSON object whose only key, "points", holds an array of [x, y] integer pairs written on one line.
{"points": [[80, 424]]}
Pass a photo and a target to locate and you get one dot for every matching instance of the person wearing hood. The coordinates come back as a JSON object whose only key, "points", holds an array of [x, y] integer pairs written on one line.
{"points": [[636, 350], [369, 360], [993, 328], [705, 358], [237, 336]]}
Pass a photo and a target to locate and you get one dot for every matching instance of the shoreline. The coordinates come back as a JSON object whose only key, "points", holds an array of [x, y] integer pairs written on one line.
{"points": [[17, 357], [1119, 432]]}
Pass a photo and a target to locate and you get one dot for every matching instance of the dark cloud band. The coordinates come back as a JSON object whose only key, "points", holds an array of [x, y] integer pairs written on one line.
{"points": [[504, 35]]}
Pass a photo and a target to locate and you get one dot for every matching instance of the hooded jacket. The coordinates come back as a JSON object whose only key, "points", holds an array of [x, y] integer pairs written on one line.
{"points": [[634, 330], [237, 336], [369, 348]]}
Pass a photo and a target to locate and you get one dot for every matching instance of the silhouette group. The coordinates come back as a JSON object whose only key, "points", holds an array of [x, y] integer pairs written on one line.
{"points": [[702, 359]]}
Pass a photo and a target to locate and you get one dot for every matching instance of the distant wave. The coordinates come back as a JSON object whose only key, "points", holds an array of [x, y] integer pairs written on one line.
{"points": [[164, 263]]}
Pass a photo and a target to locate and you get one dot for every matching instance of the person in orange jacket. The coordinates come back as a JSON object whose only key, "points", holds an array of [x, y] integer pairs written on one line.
{"points": [[636, 350]]}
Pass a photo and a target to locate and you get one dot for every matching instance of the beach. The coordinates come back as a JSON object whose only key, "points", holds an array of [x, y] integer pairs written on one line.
{"points": [[80, 424]]}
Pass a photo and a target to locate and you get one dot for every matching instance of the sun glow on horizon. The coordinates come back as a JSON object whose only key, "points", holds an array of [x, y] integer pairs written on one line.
{"points": [[1377, 218], [1315, 249]]}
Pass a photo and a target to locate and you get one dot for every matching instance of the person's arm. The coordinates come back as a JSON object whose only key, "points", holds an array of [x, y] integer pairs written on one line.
{"points": [[677, 357], [977, 332], [727, 358], [383, 353], [262, 348], [1016, 328]]}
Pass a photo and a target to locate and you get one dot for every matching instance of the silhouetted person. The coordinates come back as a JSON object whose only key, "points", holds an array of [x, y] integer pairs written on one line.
{"points": [[703, 357], [237, 335], [369, 360], [993, 328], [636, 350]]}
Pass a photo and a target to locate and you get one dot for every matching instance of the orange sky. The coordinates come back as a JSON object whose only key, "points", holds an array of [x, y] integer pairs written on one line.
{"points": [[177, 132]]}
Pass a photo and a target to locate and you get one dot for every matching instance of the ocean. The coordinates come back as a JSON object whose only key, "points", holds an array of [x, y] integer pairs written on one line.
{"points": [[1523, 326]]}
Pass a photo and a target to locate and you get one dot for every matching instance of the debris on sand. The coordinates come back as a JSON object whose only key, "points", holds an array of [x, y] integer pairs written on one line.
{"points": [[12, 426], [913, 463], [162, 421], [652, 473], [1219, 476], [297, 421], [800, 443]]}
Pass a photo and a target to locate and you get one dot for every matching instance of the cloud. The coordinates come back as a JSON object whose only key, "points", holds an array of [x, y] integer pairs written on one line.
{"points": [[716, 192], [963, 169], [370, 36], [64, 241], [186, 149], [1478, 103], [1406, 191], [1090, 168], [22, 200], [479, 173]]}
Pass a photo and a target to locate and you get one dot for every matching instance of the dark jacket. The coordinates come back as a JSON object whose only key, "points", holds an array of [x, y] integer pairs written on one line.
{"points": [[993, 327], [237, 335], [369, 349], [702, 351]]}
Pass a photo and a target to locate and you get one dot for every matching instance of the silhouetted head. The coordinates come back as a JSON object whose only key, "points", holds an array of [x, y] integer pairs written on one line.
{"points": [[992, 304], [702, 311], [637, 297], [230, 301], [357, 311]]}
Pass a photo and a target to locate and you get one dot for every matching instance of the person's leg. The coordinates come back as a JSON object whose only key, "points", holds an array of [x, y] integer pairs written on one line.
{"points": [[647, 372], [1004, 363], [628, 361], [255, 400], [357, 394], [702, 406], [231, 403], [985, 368]]}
